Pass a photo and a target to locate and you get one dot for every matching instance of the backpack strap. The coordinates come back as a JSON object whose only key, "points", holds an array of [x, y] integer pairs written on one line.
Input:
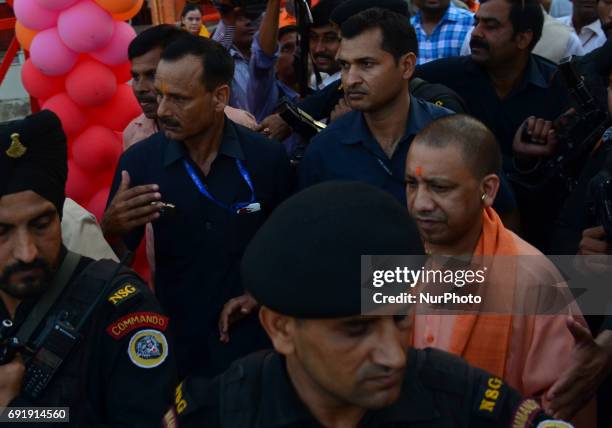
{"points": [[65, 323]]}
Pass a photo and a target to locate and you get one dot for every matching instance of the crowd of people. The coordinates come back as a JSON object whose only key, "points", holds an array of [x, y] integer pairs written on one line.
{"points": [[258, 181]]}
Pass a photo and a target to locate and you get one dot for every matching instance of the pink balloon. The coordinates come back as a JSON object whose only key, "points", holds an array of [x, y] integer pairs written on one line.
{"points": [[85, 27], [115, 53], [72, 118], [30, 14], [56, 4], [97, 149], [37, 84], [91, 83], [97, 203], [50, 55]]}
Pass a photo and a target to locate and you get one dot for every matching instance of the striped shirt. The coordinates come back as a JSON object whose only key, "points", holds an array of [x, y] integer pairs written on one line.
{"points": [[448, 36]]}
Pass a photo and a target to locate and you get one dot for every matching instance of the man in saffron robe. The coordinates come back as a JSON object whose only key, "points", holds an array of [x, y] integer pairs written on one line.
{"points": [[451, 185]]}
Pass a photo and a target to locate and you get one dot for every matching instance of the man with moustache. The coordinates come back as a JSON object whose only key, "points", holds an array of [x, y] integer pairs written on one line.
{"points": [[95, 323], [324, 40], [586, 24], [329, 103], [514, 93], [144, 52], [377, 56], [333, 365], [218, 182]]}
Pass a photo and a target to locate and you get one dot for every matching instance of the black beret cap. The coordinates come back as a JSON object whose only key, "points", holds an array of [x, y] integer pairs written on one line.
{"points": [[353, 7], [305, 261], [33, 156]]}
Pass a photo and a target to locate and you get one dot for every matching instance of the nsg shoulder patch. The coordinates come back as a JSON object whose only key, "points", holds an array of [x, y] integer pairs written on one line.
{"points": [[490, 398], [126, 292], [180, 399]]}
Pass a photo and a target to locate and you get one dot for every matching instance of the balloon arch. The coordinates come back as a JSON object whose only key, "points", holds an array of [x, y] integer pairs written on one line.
{"points": [[78, 68]]}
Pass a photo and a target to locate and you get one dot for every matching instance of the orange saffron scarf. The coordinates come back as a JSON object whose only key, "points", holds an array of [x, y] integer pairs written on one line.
{"points": [[483, 339]]}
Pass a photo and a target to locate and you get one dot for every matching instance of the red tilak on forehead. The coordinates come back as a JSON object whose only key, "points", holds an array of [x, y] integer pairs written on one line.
{"points": [[418, 171]]}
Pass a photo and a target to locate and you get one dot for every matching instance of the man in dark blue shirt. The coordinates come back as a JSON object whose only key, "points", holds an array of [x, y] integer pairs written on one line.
{"points": [[370, 144], [218, 182], [377, 57]]}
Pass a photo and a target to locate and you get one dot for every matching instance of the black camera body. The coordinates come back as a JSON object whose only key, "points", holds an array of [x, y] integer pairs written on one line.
{"points": [[578, 132]]}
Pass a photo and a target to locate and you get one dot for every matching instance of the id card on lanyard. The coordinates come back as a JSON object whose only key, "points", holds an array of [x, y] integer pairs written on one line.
{"points": [[238, 207]]}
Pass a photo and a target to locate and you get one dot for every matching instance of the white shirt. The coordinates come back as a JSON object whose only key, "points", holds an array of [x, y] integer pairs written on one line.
{"points": [[591, 36], [327, 80], [81, 233]]}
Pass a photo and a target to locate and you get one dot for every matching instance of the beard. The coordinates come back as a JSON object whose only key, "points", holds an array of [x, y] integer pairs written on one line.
{"points": [[35, 279]]}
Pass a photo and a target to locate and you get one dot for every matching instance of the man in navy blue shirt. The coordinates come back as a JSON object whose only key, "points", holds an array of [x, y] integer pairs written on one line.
{"points": [[207, 185], [377, 56]]}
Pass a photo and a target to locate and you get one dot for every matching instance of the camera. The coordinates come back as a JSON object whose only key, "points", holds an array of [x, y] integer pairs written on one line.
{"points": [[578, 133]]}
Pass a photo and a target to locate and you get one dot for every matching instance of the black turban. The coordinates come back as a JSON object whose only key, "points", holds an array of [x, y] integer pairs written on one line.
{"points": [[352, 7], [305, 261], [33, 156]]}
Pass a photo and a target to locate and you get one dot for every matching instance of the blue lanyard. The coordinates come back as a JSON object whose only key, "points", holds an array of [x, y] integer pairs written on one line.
{"points": [[204, 190]]}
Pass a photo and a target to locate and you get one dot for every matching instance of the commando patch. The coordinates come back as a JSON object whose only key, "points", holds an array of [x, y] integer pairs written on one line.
{"points": [[136, 320], [148, 348], [123, 294]]}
